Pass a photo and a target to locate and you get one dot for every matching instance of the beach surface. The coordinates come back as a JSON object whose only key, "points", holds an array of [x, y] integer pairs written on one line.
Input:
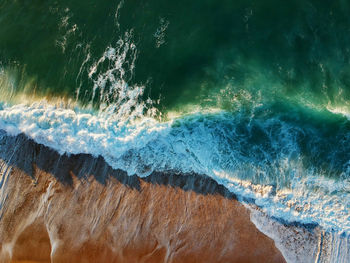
{"points": [[78, 209]]}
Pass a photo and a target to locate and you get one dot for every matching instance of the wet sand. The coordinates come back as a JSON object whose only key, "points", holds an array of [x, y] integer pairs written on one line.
{"points": [[78, 209]]}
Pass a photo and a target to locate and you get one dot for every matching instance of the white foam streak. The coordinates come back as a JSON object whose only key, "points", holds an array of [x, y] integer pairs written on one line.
{"points": [[340, 110], [110, 76], [69, 131]]}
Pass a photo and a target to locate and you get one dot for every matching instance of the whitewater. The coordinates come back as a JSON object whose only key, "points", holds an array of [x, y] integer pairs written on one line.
{"points": [[203, 143]]}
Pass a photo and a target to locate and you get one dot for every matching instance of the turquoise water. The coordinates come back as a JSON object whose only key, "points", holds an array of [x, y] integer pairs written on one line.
{"points": [[252, 93]]}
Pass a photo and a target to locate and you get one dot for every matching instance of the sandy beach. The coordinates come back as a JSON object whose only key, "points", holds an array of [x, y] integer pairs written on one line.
{"points": [[78, 209]]}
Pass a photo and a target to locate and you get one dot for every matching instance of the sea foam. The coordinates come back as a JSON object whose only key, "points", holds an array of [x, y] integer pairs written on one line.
{"points": [[269, 172]]}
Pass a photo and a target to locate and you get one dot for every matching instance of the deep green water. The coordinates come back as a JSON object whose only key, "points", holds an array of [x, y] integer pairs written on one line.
{"points": [[205, 53]]}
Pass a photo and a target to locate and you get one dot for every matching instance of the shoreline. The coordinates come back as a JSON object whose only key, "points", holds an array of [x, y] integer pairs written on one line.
{"points": [[78, 209]]}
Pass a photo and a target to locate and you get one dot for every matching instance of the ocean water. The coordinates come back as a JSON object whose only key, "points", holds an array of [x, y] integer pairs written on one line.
{"points": [[255, 94]]}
